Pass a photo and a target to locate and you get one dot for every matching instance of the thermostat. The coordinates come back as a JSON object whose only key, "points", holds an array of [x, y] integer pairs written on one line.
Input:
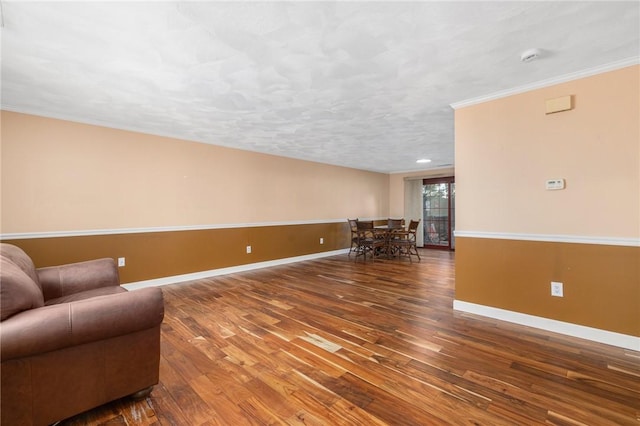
{"points": [[553, 184]]}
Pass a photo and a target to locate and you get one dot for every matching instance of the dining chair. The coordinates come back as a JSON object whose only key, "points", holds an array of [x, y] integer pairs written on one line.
{"points": [[407, 245], [354, 235], [368, 241], [395, 223], [395, 231]]}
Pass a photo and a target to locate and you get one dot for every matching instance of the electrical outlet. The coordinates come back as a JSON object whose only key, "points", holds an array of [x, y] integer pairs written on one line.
{"points": [[121, 262], [248, 249], [556, 289], [321, 240]]}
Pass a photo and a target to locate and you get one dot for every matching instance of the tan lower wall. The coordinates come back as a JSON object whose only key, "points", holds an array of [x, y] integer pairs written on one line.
{"points": [[163, 254], [601, 282]]}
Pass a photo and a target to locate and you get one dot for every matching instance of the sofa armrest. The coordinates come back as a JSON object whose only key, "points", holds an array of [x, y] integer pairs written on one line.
{"points": [[69, 324], [58, 281]]}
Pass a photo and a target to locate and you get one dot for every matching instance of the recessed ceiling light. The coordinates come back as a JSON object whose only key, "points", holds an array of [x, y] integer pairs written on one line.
{"points": [[423, 160]]}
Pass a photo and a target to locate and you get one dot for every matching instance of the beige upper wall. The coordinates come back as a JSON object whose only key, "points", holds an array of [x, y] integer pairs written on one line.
{"points": [[64, 176], [507, 148]]}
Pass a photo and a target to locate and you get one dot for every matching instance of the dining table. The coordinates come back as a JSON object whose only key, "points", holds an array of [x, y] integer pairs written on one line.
{"points": [[389, 234]]}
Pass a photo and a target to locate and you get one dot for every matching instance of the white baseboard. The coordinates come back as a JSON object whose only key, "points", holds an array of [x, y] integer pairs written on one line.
{"points": [[230, 270], [594, 334]]}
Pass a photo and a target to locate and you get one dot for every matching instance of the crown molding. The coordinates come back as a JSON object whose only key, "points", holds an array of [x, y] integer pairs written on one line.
{"points": [[612, 66], [437, 169]]}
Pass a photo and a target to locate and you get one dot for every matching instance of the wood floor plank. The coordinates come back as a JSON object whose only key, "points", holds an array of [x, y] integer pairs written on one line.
{"points": [[335, 342], [208, 392]]}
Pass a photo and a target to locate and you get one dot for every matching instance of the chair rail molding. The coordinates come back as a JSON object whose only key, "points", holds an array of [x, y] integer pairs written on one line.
{"points": [[142, 230], [579, 239]]}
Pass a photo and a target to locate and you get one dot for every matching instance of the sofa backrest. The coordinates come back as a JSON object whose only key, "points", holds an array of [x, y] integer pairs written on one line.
{"points": [[19, 286], [21, 259]]}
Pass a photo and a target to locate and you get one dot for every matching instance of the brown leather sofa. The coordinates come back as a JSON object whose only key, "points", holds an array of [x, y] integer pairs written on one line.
{"points": [[71, 338]]}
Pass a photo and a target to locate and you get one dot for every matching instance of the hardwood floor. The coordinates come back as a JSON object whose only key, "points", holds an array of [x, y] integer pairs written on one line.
{"points": [[333, 342]]}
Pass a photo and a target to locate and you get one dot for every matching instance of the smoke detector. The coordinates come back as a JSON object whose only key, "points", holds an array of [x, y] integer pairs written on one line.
{"points": [[529, 55]]}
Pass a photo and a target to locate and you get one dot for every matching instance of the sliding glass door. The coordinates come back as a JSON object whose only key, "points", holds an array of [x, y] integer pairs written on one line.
{"points": [[438, 197]]}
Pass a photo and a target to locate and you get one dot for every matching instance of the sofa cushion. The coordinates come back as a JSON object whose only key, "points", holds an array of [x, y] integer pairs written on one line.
{"points": [[88, 294], [20, 259], [18, 292]]}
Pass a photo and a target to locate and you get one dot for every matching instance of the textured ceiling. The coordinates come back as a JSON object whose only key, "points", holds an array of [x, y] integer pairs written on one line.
{"points": [[357, 84]]}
